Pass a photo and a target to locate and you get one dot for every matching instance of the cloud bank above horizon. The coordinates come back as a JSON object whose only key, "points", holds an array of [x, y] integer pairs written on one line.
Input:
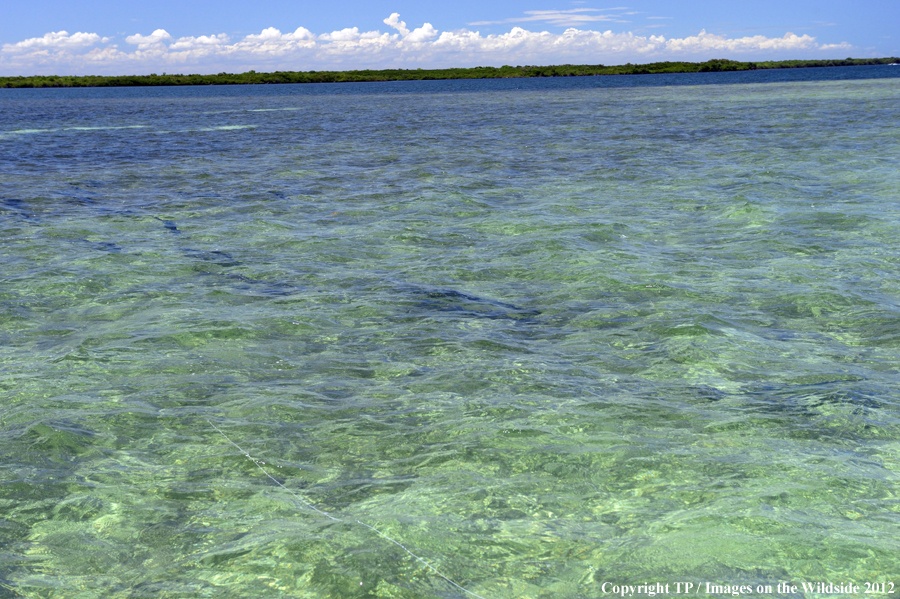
{"points": [[62, 53]]}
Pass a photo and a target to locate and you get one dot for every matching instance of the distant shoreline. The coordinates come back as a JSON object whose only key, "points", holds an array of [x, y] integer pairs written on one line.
{"points": [[504, 72]]}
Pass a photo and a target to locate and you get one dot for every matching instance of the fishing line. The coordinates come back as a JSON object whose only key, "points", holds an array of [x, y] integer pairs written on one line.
{"points": [[259, 464]]}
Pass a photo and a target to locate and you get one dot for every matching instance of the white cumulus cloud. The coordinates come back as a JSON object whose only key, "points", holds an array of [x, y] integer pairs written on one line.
{"points": [[703, 42], [394, 22], [271, 42], [421, 34], [145, 42], [344, 35], [203, 41], [424, 46], [56, 40]]}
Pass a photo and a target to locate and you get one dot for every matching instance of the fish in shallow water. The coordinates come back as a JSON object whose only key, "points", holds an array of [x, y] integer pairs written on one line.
{"points": [[464, 304]]}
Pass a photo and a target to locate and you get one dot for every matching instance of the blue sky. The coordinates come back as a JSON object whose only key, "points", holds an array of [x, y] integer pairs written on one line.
{"points": [[123, 37]]}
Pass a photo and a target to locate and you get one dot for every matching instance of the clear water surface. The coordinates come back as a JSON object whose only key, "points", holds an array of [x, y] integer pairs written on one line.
{"points": [[546, 334]]}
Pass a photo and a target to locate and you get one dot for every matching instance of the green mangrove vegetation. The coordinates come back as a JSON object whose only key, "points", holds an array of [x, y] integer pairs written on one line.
{"points": [[506, 71]]}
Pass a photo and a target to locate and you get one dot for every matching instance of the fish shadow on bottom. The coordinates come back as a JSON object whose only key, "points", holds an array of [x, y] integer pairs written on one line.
{"points": [[253, 286], [217, 257], [467, 305]]}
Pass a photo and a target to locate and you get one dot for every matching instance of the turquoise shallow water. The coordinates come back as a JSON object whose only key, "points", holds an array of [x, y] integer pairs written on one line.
{"points": [[545, 338]]}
